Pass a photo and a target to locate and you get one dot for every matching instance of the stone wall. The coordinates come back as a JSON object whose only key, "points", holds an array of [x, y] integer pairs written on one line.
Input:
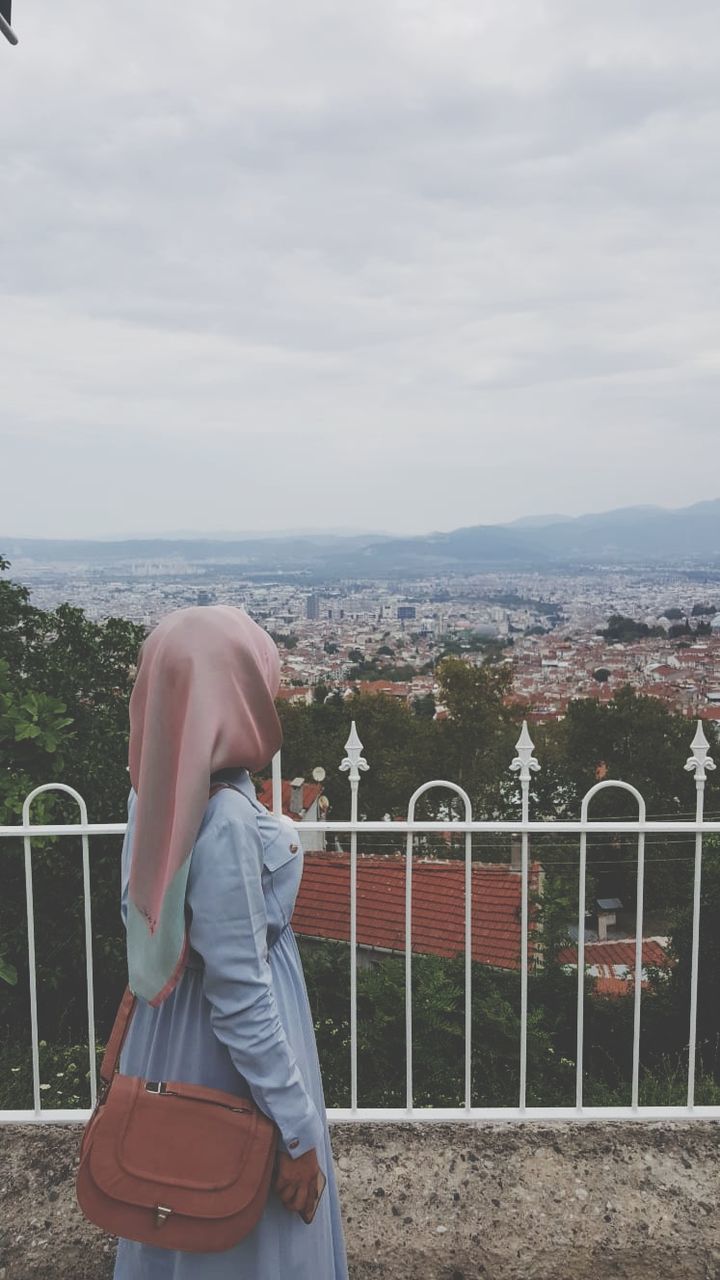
{"points": [[525, 1201]]}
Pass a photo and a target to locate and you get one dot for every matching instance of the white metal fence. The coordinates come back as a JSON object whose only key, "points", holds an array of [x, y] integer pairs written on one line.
{"points": [[524, 764]]}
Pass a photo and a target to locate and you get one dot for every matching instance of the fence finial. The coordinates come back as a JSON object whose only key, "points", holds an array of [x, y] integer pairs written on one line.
{"points": [[524, 762], [354, 761], [700, 761]]}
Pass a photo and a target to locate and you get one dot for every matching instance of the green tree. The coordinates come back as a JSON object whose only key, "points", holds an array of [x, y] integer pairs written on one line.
{"points": [[64, 689], [621, 628], [476, 741], [634, 739], [708, 1002], [375, 671], [398, 745], [424, 706], [285, 640]]}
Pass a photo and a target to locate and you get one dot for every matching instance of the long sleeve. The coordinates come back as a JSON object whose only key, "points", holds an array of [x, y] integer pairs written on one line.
{"points": [[228, 928]]}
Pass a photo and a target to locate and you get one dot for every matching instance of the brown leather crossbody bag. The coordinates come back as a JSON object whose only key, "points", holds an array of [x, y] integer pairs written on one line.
{"points": [[172, 1164]]}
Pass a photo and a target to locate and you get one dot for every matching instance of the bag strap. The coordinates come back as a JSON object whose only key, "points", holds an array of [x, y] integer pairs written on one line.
{"points": [[122, 1022], [126, 1009]]}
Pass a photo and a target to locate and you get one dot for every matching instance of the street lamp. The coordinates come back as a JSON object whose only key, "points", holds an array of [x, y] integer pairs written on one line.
{"points": [[5, 27]]}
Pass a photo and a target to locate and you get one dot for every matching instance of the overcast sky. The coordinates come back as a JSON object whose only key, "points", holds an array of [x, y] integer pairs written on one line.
{"points": [[399, 265]]}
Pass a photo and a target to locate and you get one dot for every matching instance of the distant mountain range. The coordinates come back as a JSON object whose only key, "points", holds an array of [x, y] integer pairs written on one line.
{"points": [[627, 536], [242, 535]]}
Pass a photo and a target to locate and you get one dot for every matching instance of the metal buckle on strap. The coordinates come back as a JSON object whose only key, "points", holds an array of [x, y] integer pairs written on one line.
{"points": [[162, 1213], [156, 1086]]}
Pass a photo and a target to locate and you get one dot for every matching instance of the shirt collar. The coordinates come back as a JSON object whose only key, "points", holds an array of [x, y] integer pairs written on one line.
{"points": [[239, 778]]}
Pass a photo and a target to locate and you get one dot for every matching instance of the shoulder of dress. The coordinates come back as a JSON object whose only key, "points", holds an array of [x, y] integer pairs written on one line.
{"points": [[273, 831], [229, 810], [286, 824]]}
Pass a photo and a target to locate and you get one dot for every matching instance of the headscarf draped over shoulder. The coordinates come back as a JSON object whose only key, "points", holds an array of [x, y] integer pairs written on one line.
{"points": [[203, 700]]}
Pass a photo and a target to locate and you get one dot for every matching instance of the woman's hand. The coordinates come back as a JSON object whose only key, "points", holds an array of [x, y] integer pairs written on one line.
{"points": [[295, 1180]]}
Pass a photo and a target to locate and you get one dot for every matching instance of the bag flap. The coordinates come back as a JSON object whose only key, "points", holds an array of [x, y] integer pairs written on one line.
{"points": [[179, 1148]]}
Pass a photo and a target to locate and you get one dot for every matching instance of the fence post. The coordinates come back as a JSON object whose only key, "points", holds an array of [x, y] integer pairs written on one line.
{"points": [[58, 786], [642, 814], [458, 791], [277, 784], [524, 764], [699, 762], [353, 764]]}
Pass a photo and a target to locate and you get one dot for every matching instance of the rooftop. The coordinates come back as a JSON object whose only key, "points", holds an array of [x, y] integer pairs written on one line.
{"points": [[322, 909]]}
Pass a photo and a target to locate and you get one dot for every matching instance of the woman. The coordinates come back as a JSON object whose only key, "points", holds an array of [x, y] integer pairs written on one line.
{"points": [[208, 888]]}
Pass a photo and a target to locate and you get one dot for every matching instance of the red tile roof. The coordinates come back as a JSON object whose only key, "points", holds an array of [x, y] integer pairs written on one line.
{"points": [[615, 986], [606, 958], [620, 952], [311, 791], [438, 914], [393, 688]]}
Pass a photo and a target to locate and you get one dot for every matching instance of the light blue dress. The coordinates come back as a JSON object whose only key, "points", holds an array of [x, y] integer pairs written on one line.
{"points": [[239, 1020]]}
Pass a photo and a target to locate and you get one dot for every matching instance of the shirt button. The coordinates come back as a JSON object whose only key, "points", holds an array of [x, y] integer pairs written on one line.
{"points": [[295, 1143], [293, 848]]}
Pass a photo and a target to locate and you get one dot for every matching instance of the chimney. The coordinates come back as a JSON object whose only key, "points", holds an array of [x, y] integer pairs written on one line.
{"points": [[515, 852], [297, 787], [606, 914]]}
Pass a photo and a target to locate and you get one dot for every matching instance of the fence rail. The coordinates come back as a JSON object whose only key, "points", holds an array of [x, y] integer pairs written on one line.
{"points": [[354, 764]]}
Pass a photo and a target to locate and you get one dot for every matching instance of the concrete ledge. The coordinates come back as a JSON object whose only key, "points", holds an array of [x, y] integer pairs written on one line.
{"points": [[439, 1201]]}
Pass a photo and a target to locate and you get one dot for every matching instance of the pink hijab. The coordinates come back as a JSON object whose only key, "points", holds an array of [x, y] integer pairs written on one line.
{"points": [[203, 700]]}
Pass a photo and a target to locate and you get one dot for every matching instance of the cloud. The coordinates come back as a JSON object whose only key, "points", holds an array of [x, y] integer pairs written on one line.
{"points": [[406, 265]]}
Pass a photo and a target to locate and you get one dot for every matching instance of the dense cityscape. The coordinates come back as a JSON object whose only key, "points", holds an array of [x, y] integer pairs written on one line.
{"points": [[388, 635], [564, 633]]}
